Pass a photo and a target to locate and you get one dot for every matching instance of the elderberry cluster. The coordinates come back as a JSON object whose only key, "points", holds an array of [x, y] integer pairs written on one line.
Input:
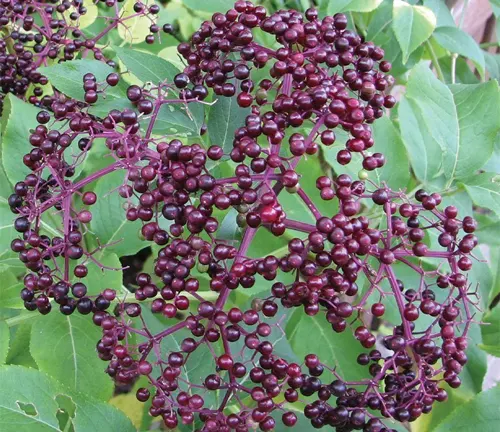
{"points": [[321, 76], [35, 34]]}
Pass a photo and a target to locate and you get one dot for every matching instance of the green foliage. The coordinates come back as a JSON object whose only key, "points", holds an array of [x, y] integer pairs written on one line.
{"points": [[338, 351], [491, 332], [31, 401], [224, 118], [147, 67], [484, 189], [412, 25], [479, 414], [71, 358], [67, 77], [18, 118], [109, 221]]}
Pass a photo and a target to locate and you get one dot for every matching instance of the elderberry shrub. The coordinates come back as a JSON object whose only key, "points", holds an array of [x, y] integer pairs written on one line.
{"points": [[37, 33], [322, 74]]}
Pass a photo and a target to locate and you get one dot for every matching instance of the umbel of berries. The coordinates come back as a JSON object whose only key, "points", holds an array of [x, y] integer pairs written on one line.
{"points": [[321, 77]]}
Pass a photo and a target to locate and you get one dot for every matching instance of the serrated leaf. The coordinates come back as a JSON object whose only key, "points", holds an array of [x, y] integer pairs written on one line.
{"points": [[335, 350], [478, 112], [4, 341], [491, 332], [109, 222], [67, 77], [484, 190], [31, 401], [180, 119], [86, 20], [388, 141], [457, 41], [18, 118], [224, 118], [455, 125], [412, 26], [9, 291], [22, 387], [209, 5], [64, 348], [134, 30], [482, 414], [442, 12], [92, 415], [147, 67], [424, 153], [351, 6]]}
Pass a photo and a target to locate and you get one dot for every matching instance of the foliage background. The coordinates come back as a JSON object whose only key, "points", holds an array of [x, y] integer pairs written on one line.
{"points": [[443, 135]]}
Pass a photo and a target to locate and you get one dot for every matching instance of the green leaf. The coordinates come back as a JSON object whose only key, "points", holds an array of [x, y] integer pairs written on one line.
{"points": [[209, 5], [64, 348], [454, 126], [32, 402], [426, 124], [19, 350], [478, 111], [26, 392], [388, 141], [351, 6], [9, 291], [109, 222], [17, 119], [491, 332], [67, 77], [224, 118], [134, 29], [92, 415], [484, 190], [482, 414], [440, 9], [335, 350], [4, 341], [180, 119], [457, 41], [147, 67], [412, 26]]}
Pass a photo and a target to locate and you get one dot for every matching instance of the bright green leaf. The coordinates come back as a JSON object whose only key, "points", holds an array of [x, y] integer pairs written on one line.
{"points": [[491, 331], [64, 348], [351, 6], [147, 67], [336, 350], [388, 142], [67, 77], [31, 401], [479, 414], [412, 25], [180, 119], [109, 222], [484, 189], [26, 392], [209, 5], [134, 29], [478, 111], [4, 341], [421, 129], [224, 118], [442, 12], [18, 118], [459, 42]]}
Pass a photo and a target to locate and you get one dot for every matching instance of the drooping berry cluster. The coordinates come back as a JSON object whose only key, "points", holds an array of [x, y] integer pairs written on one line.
{"points": [[35, 34], [323, 76]]}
